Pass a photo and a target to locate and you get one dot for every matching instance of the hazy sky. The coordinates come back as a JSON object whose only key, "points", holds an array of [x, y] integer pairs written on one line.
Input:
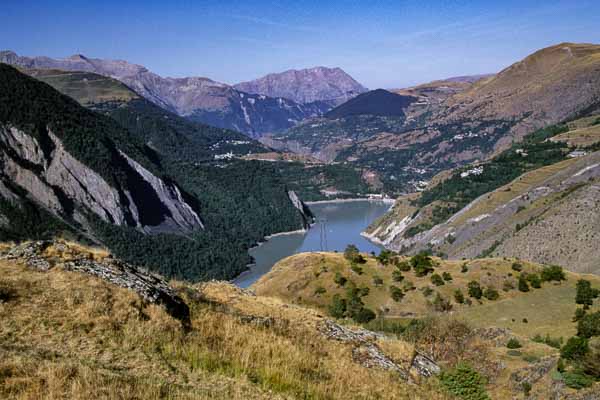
{"points": [[380, 43]]}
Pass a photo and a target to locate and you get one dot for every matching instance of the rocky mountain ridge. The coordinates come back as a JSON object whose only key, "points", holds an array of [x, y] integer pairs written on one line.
{"points": [[198, 98], [331, 85]]}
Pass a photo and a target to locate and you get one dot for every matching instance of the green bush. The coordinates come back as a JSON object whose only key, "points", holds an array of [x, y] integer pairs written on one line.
{"points": [[356, 268], [447, 277], [337, 308], [464, 382], [589, 325], [585, 294], [377, 280], [553, 273], [459, 297], [547, 340], [427, 291], [422, 264], [507, 286], [364, 316], [408, 285], [396, 293], [441, 304], [385, 257], [320, 290], [513, 343], [523, 285], [352, 254], [403, 266], [491, 294], [577, 379], [340, 279], [464, 268], [579, 313], [397, 276], [364, 291], [474, 290], [437, 280], [534, 280], [575, 348], [517, 267]]}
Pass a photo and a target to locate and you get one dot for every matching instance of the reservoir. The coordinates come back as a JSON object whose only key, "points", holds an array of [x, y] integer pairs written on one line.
{"points": [[337, 225]]}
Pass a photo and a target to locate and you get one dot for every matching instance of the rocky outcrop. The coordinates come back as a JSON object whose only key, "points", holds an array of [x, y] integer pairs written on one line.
{"points": [[307, 215], [306, 85], [68, 188], [367, 353], [45, 255]]}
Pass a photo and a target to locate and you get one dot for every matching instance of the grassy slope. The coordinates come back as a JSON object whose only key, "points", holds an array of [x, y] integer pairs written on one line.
{"points": [[549, 309], [67, 335]]}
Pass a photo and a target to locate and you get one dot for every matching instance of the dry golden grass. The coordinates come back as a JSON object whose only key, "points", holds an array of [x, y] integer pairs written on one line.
{"points": [[68, 335]]}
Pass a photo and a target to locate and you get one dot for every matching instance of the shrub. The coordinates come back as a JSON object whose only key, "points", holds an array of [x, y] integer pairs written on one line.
{"points": [[422, 264], [475, 290], [459, 297], [352, 254], [591, 362], [384, 257], [364, 315], [320, 290], [464, 382], [523, 285], [553, 273], [589, 325], [441, 304], [576, 347], [517, 267], [552, 342], [408, 285], [577, 379], [464, 269], [560, 365], [364, 291], [585, 294], [377, 280], [526, 386], [396, 293], [427, 291], [447, 277], [534, 280], [507, 286], [397, 276], [579, 313], [491, 294], [403, 266], [337, 308], [437, 280], [356, 268], [340, 279], [7, 293], [513, 343]]}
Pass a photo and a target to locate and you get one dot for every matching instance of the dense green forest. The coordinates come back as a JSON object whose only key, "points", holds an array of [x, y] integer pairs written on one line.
{"points": [[239, 202]]}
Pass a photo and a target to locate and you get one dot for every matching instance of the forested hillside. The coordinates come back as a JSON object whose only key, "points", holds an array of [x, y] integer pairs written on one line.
{"points": [[238, 202]]}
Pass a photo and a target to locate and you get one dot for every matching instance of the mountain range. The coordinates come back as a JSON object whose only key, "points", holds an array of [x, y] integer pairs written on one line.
{"points": [[204, 100]]}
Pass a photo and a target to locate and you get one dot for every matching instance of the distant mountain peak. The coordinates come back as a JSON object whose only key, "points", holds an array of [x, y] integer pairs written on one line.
{"points": [[378, 102], [306, 85]]}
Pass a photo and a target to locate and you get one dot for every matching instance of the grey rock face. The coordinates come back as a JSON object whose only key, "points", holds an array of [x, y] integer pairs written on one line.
{"points": [[200, 99], [150, 287], [368, 354], [66, 187], [306, 85]]}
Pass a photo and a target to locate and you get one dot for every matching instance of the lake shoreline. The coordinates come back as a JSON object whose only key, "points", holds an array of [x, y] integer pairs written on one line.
{"points": [[386, 200]]}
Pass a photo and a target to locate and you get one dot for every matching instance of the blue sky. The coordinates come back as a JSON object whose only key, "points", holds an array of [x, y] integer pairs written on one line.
{"points": [[385, 44]]}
